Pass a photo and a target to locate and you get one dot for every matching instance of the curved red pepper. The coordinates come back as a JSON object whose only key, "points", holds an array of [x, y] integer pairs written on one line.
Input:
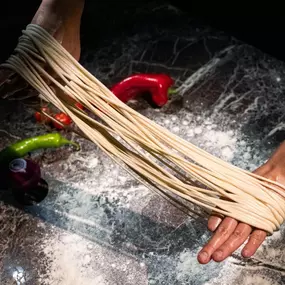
{"points": [[156, 84]]}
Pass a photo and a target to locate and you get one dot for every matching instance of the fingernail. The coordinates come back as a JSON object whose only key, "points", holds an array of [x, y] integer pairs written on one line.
{"points": [[203, 255], [246, 253], [213, 223], [216, 224], [218, 255]]}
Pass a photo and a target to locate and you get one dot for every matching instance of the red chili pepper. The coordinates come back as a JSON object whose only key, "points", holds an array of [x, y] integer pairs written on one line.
{"points": [[76, 104], [62, 118], [156, 84], [41, 118], [79, 106]]}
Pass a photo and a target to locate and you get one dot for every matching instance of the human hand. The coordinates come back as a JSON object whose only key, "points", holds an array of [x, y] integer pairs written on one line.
{"points": [[229, 233]]}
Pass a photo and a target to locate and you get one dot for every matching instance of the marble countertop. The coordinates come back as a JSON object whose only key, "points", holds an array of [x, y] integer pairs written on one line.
{"points": [[100, 227]]}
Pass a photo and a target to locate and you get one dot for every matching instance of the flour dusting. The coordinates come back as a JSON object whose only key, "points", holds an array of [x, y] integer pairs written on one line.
{"points": [[70, 262], [188, 268], [99, 200], [253, 280]]}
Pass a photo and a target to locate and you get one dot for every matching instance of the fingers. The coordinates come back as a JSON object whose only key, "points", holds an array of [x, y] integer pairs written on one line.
{"points": [[262, 170], [215, 219], [229, 237], [236, 239], [214, 222], [254, 242], [223, 232]]}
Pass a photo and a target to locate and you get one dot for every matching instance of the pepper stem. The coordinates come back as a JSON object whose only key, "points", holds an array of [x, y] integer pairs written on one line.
{"points": [[64, 141], [172, 91]]}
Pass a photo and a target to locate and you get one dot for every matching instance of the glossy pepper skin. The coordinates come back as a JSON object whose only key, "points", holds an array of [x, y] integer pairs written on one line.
{"points": [[62, 118], [22, 148], [41, 118], [156, 84]]}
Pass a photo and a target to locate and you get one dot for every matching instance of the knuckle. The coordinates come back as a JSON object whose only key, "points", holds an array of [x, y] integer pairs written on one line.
{"points": [[259, 237], [210, 248], [237, 234], [223, 230]]}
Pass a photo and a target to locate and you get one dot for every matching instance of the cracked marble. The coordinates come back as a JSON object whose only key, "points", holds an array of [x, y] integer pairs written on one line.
{"points": [[98, 225]]}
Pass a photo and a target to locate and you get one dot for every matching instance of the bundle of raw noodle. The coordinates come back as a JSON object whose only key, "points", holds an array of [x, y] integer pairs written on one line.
{"points": [[175, 168]]}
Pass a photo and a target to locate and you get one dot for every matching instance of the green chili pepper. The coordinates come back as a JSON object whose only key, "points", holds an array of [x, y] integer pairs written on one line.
{"points": [[22, 148]]}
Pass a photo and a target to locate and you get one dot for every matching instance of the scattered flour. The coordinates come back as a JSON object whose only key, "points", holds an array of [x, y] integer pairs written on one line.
{"points": [[227, 153], [198, 130], [69, 262], [253, 280], [93, 162], [188, 267], [70, 259]]}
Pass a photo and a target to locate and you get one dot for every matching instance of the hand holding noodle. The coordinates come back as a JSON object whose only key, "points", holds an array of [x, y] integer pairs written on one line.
{"points": [[229, 234], [172, 167]]}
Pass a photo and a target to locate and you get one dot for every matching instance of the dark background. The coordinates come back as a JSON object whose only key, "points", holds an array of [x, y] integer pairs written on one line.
{"points": [[105, 18]]}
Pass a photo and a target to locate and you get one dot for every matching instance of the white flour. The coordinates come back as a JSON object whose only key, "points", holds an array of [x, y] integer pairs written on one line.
{"points": [[70, 260], [188, 268]]}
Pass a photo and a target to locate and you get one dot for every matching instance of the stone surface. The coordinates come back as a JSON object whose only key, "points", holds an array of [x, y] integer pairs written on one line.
{"points": [[99, 226]]}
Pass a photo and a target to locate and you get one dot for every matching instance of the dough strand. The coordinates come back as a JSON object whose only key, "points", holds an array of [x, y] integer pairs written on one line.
{"points": [[174, 168]]}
